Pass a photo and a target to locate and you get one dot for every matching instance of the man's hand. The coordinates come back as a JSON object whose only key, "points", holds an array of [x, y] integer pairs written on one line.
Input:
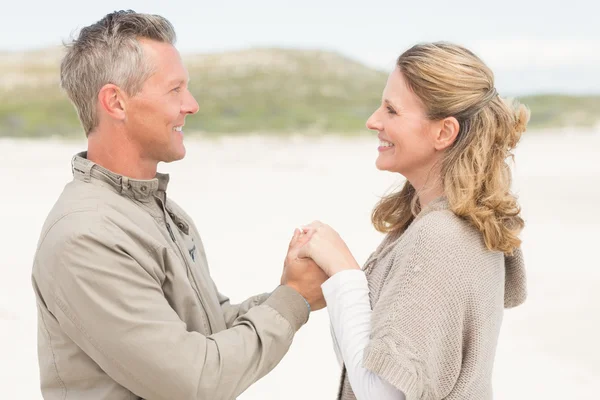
{"points": [[302, 274]]}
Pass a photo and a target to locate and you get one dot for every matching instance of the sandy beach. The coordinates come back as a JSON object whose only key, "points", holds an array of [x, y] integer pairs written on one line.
{"points": [[246, 195]]}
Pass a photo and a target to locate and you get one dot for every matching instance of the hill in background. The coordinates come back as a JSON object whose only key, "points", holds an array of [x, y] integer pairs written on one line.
{"points": [[259, 90]]}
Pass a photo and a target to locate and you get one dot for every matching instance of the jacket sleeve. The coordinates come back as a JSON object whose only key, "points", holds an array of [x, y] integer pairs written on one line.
{"points": [[114, 309], [232, 311]]}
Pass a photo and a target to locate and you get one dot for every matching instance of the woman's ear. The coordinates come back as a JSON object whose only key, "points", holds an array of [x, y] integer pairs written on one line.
{"points": [[447, 134]]}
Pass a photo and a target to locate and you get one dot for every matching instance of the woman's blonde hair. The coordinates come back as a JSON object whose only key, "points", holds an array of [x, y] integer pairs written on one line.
{"points": [[452, 81]]}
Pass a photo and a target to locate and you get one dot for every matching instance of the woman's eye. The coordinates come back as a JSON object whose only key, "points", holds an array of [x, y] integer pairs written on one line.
{"points": [[390, 110]]}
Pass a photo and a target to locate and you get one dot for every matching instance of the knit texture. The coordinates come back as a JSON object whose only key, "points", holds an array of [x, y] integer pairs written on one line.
{"points": [[438, 296]]}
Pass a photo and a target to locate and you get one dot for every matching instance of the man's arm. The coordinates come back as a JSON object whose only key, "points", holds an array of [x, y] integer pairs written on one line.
{"points": [[113, 308], [232, 311]]}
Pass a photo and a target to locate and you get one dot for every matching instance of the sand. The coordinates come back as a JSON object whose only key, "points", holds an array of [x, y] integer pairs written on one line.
{"points": [[247, 195]]}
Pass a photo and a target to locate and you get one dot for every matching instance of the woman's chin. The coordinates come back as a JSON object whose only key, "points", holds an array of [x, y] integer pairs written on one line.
{"points": [[382, 165], [388, 167]]}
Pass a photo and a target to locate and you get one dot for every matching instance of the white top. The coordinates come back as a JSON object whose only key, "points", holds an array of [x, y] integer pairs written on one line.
{"points": [[349, 307]]}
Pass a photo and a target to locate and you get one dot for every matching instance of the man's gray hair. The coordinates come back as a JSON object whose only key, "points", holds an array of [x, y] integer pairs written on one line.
{"points": [[109, 51]]}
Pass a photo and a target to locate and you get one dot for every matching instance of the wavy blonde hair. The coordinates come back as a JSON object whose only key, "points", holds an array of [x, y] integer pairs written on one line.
{"points": [[452, 81]]}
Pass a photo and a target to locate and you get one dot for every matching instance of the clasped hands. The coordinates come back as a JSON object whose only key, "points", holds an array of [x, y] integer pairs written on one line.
{"points": [[315, 253]]}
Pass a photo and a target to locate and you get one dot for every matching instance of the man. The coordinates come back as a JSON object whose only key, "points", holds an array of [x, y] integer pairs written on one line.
{"points": [[127, 308]]}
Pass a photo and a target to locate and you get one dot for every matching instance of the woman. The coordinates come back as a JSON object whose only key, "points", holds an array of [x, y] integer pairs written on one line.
{"points": [[422, 319]]}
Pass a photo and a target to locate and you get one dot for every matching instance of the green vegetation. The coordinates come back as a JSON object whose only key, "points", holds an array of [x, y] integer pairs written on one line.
{"points": [[556, 111], [271, 91]]}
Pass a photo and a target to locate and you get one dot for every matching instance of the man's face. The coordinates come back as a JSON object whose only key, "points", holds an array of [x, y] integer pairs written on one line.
{"points": [[155, 116]]}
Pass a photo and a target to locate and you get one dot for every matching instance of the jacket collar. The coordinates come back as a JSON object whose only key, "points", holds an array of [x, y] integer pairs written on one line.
{"points": [[88, 171]]}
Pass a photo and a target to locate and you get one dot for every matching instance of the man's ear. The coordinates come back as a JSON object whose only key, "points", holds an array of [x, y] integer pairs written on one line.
{"points": [[447, 134], [113, 101]]}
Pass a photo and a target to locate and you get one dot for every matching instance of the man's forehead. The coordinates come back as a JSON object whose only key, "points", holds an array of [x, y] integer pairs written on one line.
{"points": [[162, 54], [168, 66], [179, 80]]}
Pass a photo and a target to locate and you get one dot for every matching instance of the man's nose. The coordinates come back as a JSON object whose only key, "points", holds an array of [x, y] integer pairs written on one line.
{"points": [[190, 105]]}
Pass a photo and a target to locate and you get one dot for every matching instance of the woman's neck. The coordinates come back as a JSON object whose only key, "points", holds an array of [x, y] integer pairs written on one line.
{"points": [[428, 196], [428, 186]]}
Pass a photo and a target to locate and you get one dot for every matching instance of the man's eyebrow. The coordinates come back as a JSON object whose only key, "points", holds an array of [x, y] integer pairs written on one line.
{"points": [[178, 81]]}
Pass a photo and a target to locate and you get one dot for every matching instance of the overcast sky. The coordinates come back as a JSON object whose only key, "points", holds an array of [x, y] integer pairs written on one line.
{"points": [[532, 46]]}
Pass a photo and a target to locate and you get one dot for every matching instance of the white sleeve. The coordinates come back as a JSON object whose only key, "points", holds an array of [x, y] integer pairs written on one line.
{"points": [[336, 347], [349, 307]]}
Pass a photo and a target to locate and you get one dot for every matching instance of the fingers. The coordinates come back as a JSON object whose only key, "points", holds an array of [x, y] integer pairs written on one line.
{"points": [[297, 233], [315, 225], [302, 246], [307, 234], [305, 250], [301, 242]]}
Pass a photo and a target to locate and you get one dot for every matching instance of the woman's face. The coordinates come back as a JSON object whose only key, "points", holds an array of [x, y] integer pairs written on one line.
{"points": [[407, 137]]}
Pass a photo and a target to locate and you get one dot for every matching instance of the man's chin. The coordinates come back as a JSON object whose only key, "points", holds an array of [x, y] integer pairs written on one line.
{"points": [[179, 156], [175, 155]]}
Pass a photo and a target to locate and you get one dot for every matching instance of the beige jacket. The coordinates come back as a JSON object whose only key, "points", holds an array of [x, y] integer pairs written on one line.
{"points": [[127, 308]]}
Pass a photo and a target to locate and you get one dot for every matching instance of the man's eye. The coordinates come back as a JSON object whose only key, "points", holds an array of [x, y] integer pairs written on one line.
{"points": [[177, 89]]}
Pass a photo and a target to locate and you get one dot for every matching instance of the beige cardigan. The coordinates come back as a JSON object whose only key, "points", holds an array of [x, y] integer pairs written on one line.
{"points": [[438, 295]]}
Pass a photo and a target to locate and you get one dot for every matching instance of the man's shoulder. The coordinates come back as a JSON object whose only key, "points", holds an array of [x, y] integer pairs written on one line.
{"points": [[65, 223], [77, 209]]}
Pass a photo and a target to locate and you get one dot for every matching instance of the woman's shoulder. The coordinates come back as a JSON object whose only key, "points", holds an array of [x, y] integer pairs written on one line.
{"points": [[440, 226], [442, 240]]}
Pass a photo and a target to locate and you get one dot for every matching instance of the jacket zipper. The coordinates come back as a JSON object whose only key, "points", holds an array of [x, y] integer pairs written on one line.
{"points": [[171, 233], [197, 289]]}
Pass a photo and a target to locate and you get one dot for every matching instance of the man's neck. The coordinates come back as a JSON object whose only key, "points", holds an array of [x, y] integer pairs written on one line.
{"points": [[119, 156]]}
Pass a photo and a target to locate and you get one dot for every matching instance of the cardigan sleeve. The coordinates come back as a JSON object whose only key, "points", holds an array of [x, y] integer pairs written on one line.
{"points": [[416, 338]]}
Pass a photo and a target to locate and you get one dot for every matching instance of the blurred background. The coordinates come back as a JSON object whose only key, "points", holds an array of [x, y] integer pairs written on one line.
{"points": [[280, 140]]}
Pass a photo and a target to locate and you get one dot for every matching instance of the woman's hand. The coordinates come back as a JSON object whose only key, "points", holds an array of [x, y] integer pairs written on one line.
{"points": [[327, 249], [303, 274]]}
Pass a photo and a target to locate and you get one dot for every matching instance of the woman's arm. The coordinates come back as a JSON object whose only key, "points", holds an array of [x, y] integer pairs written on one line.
{"points": [[336, 347], [347, 297]]}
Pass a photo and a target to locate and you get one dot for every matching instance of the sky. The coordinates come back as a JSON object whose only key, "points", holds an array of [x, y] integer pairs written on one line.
{"points": [[532, 46]]}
